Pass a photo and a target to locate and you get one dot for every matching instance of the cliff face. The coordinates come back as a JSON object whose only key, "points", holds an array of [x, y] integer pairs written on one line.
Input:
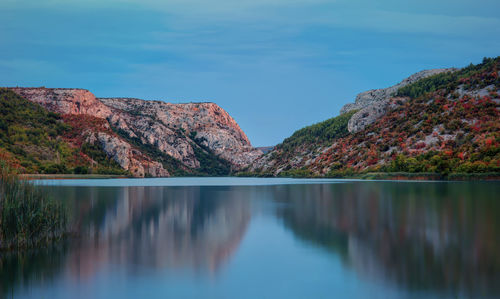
{"points": [[372, 104], [370, 97], [206, 123], [65, 100], [136, 132]]}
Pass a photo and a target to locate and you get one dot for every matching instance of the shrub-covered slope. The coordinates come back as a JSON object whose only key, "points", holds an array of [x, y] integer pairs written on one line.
{"points": [[446, 123], [70, 131], [35, 140], [145, 138], [302, 147]]}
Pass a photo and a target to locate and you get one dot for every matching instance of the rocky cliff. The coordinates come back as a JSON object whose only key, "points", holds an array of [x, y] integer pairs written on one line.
{"points": [[159, 123], [152, 138], [65, 100], [372, 104]]}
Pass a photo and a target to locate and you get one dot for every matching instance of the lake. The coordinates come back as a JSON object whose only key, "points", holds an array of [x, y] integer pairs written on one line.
{"points": [[266, 238]]}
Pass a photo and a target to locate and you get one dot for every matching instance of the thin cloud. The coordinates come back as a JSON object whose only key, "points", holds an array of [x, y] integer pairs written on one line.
{"points": [[401, 22]]}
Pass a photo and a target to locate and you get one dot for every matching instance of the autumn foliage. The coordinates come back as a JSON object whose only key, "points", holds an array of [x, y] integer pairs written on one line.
{"points": [[448, 123]]}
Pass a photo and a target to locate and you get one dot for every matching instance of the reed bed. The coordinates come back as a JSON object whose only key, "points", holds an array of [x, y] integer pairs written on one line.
{"points": [[29, 217]]}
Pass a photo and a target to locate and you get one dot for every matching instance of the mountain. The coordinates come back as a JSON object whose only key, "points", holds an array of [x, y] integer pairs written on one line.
{"points": [[373, 96], [372, 104], [77, 132], [439, 121], [31, 140]]}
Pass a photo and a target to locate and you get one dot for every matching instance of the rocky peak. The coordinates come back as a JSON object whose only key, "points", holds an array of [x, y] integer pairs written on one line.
{"points": [[373, 104], [373, 96]]}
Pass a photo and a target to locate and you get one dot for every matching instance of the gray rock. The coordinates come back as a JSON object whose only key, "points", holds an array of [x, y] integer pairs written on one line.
{"points": [[371, 113], [370, 97], [208, 122], [375, 103], [129, 158]]}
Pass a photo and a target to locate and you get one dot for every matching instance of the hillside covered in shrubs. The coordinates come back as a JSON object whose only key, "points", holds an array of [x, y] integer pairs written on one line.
{"points": [[444, 124], [34, 140]]}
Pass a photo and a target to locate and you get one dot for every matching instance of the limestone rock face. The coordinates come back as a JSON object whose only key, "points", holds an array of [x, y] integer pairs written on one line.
{"points": [[374, 103], [377, 95], [65, 100], [177, 130], [206, 122], [156, 134], [129, 158], [371, 113]]}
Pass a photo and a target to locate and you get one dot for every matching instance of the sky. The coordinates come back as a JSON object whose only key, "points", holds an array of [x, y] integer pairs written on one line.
{"points": [[274, 65]]}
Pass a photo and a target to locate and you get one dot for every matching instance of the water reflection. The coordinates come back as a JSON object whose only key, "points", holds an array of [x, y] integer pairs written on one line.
{"points": [[432, 237], [140, 227], [437, 238], [158, 227], [21, 269]]}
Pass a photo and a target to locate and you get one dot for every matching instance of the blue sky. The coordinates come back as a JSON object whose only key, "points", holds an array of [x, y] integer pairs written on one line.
{"points": [[274, 65]]}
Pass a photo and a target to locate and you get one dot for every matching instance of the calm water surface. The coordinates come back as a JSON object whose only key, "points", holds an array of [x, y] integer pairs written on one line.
{"points": [[267, 238]]}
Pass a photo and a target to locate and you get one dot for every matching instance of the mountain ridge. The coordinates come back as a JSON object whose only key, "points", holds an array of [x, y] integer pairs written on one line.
{"points": [[446, 122], [184, 137]]}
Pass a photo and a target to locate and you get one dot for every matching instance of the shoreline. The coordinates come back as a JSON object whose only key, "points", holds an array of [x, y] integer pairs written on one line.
{"points": [[396, 176], [393, 176], [31, 177]]}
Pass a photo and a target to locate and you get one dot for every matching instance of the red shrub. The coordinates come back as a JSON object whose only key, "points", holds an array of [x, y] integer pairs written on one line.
{"points": [[420, 145]]}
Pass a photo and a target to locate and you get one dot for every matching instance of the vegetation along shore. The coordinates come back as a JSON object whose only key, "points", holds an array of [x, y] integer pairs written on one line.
{"points": [[29, 217]]}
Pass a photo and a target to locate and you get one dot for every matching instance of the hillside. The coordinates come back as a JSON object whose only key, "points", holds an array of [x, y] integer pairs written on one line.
{"points": [[35, 140], [443, 123], [55, 130]]}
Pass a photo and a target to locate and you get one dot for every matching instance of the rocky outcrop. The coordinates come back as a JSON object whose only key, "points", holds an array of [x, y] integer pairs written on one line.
{"points": [[371, 113], [129, 158], [374, 96], [177, 130], [65, 100], [154, 133], [167, 125], [374, 103]]}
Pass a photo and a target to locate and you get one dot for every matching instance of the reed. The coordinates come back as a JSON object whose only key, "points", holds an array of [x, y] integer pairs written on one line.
{"points": [[29, 217]]}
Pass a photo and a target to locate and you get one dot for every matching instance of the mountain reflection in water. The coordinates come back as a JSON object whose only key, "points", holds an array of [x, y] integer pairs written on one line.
{"points": [[439, 239], [437, 236], [159, 228], [142, 227]]}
